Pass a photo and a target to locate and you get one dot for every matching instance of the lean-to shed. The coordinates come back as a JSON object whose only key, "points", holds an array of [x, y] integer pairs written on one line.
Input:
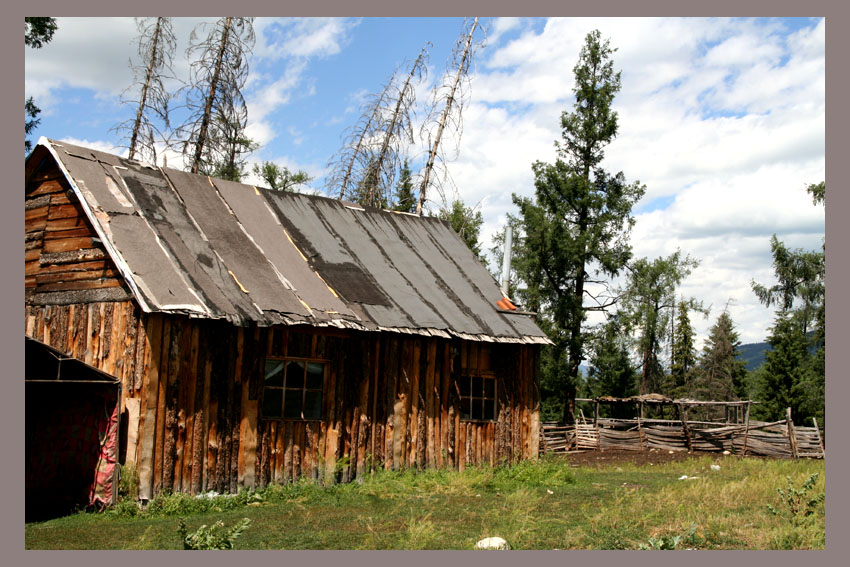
{"points": [[72, 419], [260, 336]]}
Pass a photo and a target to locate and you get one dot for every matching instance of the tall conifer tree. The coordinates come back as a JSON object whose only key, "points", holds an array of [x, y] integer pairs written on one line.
{"points": [[579, 221], [722, 376], [683, 353]]}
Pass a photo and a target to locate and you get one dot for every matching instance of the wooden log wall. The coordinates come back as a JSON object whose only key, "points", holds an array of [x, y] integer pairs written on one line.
{"points": [[62, 251], [192, 397]]}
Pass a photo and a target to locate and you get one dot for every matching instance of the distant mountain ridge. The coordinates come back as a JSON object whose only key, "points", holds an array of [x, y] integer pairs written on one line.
{"points": [[753, 354]]}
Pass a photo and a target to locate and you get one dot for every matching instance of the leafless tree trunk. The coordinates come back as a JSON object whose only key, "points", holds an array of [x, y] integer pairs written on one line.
{"points": [[205, 120], [399, 122], [350, 154], [156, 45], [219, 75], [451, 103], [370, 156]]}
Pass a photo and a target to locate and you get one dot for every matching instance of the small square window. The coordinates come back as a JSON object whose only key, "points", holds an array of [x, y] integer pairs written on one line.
{"points": [[292, 389], [477, 397]]}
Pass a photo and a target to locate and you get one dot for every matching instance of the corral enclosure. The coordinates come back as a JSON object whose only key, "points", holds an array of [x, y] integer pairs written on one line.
{"points": [[692, 425]]}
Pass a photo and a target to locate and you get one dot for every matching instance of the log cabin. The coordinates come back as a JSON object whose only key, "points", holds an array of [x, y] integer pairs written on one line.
{"points": [[262, 336]]}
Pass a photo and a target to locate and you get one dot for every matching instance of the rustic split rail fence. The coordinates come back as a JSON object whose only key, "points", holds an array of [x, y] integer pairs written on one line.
{"points": [[736, 433]]}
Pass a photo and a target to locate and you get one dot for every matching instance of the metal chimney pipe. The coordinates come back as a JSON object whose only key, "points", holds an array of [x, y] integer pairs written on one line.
{"points": [[506, 260]]}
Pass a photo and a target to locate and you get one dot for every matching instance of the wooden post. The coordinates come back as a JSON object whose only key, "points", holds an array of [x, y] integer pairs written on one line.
{"points": [[746, 427], [820, 441], [640, 431], [683, 414], [791, 438]]}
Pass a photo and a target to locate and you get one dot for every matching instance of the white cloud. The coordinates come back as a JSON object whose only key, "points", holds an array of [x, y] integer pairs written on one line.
{"points": [[725, 117], [302, 37]]}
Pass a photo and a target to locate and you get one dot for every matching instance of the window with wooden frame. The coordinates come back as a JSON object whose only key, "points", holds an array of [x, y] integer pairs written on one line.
{"points": [[292, 388], [477, 396], [294, 375]]}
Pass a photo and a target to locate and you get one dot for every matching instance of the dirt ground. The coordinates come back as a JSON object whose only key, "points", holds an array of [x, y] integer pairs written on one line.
{"points": [[654, 456]]}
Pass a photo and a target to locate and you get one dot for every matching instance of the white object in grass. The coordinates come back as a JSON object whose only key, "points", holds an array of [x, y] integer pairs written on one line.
{"points": [[496, 543]]}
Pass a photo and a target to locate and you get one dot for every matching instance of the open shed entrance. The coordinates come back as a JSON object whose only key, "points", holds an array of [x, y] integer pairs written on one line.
{"points": [[72, 420]]}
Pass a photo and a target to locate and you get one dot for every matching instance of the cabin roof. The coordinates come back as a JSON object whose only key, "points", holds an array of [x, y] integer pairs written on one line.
{"points": [[209, 248]]}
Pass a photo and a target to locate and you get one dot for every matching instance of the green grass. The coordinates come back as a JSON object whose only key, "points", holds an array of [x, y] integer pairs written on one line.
{"points": [[544, 505]]}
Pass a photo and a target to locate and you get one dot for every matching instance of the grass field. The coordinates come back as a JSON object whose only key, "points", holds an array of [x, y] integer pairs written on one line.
{"points": [[545, 505]]}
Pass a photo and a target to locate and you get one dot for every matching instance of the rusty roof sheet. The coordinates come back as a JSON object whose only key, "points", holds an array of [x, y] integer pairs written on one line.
{"points": [[218, 249]]}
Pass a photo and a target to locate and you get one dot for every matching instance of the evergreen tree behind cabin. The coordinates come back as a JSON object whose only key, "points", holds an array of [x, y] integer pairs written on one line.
{"points": [[683, 355], [611, 370], [577, 226], [405, 200], [721, 375]]}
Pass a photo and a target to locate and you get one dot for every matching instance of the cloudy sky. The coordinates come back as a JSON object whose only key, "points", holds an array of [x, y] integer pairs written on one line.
{"points": [[723, 120]]}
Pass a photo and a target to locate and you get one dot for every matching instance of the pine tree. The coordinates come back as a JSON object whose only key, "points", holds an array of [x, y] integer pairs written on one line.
{"points": [[794, 374], [646, 304], [279, 177], [37, 32], [781, 381], [683, 355], [405, 201], [580, 218], [722, 376], [466, 221], [611, 370]]}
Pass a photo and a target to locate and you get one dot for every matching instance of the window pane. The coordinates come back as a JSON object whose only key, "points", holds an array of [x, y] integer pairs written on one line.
{"points": [[292, 403], [489, 410], [463, 386], [274, 373], [315, 375], [477, 388], [489, 388], [313, 405], [272, 401], [476, 408], [294, 374], [464, 408]]}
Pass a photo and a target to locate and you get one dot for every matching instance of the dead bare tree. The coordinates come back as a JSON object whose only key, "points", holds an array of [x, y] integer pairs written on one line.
{"points": [[217, 78], [397, 131], [349, 164], [450, 95], [375, 147], [156, 44]]}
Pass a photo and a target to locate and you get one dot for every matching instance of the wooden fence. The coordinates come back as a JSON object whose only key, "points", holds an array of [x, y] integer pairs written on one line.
{"points": [[781, 439]]}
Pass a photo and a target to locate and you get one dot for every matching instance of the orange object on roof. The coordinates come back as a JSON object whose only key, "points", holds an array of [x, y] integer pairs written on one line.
{"points": [[506, 304]]}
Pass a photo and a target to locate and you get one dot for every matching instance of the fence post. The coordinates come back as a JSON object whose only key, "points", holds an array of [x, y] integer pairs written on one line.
{"points": [[820, 440], [746, 428], [640, 432], [791, 436], [683, 414]]}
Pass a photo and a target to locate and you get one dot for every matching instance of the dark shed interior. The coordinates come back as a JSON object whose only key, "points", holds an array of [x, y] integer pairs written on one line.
{"points": [[72, 414]]}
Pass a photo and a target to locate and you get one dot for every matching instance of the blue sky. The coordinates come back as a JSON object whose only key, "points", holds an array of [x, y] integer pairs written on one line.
{"points": [[722, 119]]}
